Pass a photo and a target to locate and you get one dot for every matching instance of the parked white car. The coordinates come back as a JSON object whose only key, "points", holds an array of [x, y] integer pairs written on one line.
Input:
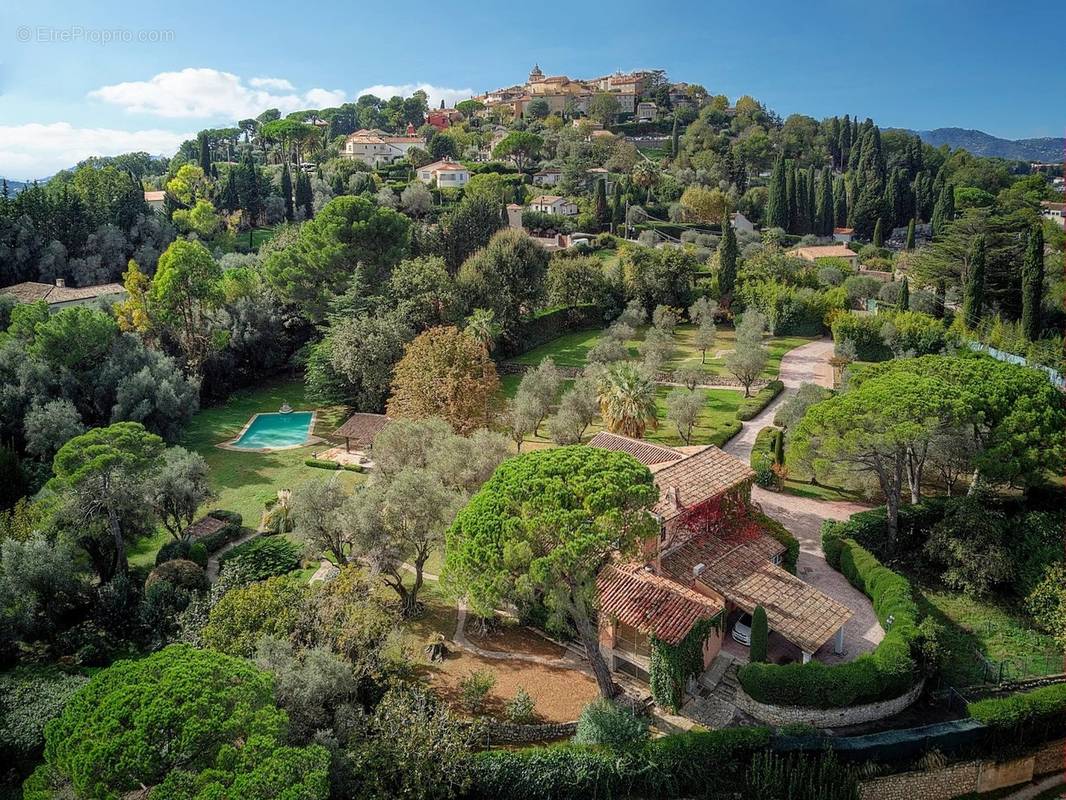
{"points": [[742, 630]]}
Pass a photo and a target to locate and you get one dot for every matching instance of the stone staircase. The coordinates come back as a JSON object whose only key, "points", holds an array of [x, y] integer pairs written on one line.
{"points": [[714, 705]]}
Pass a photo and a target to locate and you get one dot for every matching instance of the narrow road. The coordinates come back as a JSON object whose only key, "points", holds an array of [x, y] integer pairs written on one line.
{"points": [[804, 516]]}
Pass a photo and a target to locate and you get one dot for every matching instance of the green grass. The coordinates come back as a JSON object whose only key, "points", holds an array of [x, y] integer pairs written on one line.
{"points": [[993, 628], [245, 481], [798, 481], [571, 350], [719, 409]]}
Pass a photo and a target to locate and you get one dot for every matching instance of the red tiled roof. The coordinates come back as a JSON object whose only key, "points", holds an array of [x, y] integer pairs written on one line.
{"points": [[644, 452], [652, 604], [697, 478]]}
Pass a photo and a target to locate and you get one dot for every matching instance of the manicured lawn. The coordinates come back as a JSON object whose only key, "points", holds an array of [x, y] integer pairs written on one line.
{"points": [[993, 629], [245, 481], [571, 350], [719, 409]]}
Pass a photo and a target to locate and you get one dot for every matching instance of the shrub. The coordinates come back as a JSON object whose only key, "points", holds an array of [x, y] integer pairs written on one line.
{"points": [[669, 767], [180, 573], [790, 310], [29, 698], [760, 400], [759, 634], [474, 688], [224, 535], [764, 470], [886, 672], [913, 333], [1041, 711], [779, 532], [352, 467], [864, 333], [264, 557], [1035, 543], [198, 554], [520, 708], [245, 614], [726, 432], [969, 544], [173, 550], [609, 724], [321, 463]]}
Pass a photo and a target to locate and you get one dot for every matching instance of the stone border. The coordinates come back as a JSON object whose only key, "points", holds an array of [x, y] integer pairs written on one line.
{"points": [[310, 439], [506, 733], [826, 717]]}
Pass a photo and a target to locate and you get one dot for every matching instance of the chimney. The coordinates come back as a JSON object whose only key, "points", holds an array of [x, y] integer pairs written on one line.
{"points": [[61, 283], [698, 569], [672, 498]]}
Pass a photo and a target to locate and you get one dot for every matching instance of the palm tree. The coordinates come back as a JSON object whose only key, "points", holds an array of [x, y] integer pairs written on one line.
{"points": [[483, 327], [627, 400]]}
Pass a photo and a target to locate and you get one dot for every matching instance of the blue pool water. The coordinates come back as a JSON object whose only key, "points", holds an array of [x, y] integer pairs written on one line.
{"points": [[276, 430]]}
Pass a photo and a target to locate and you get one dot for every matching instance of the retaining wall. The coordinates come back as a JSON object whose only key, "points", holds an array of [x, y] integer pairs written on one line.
{"points": [[825, 717]]}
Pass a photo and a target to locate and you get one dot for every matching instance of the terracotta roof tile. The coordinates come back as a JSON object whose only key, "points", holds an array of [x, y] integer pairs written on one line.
{"points": [[644, 452], [652, 604], [697, 478], [205, 526]]}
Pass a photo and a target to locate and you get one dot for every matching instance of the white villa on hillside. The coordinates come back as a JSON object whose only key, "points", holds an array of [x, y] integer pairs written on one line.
{"points": [[445, 174], [553, 204], [374, 147]]}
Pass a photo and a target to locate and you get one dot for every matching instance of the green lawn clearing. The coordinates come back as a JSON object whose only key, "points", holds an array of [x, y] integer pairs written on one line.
{"points": [[245, 481]]}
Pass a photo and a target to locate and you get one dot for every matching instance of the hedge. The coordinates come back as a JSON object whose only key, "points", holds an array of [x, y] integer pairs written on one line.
{"points": [[321, 463], [886, 672], [1041, 711], [760, 400], [865, 333], [225, 535], [264, 556], [726, 432], [551, 324], [672, 766]]}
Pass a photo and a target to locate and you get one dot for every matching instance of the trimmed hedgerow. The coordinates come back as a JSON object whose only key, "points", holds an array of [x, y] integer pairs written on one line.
{"points": [[886, 672], [673, 766], [1017, 714], [760, 400], [726, 432], [319, 463]]}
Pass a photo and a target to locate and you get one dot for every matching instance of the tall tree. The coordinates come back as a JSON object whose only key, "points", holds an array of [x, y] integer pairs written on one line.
{"points": [[543, 527], [944, 210], [618, 211], [879, 236], [205, 153], [187, 286], [840, 203], [909, 245], [304, 197], [905, 295], [727, 259], [286, 192], [973, 298], [777, 200], [599, 204], [674, 140], [825, 215], [1033, 283]]}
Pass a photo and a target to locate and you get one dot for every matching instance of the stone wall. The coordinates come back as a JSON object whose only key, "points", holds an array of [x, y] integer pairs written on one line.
{"points": [[942, 784], [506, 733], [825, 717], [967, 777]]}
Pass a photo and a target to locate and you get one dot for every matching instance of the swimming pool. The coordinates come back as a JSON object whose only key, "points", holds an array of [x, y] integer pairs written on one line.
{"points": [[275, 431]]}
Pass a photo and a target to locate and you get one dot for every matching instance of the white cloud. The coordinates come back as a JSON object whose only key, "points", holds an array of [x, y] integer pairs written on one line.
{"points": [[212, 94], [36, 150], [279, 84], [434, 94]]}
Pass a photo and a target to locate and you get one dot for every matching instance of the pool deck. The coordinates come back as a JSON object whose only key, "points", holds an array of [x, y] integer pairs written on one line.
{"points": [[309, 440]]}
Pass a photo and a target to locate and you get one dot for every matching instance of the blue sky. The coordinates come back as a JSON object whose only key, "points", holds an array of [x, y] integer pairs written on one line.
{"points": [[67, 92]]}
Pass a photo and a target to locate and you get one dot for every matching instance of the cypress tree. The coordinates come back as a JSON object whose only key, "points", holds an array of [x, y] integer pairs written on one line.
{"points": [[759, 634], [779, 449], [893, 200], [286, 192], [229, 199], [777, 200], [600, 209], [870, 183], [944, 210], [844, 143], [825, 213], [803, 217], [727, 258], [938, 299], [618, 211], [840, 203], [812, 206], [205, 154], [879, 240], [674, 140], [304, 198], [973, 298], [790, 194], [1033, 283], [905, 295], [910, 235]]}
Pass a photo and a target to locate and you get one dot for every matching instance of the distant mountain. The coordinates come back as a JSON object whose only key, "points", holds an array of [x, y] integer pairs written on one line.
{"points": [[1048, 149], [14, 187]]}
